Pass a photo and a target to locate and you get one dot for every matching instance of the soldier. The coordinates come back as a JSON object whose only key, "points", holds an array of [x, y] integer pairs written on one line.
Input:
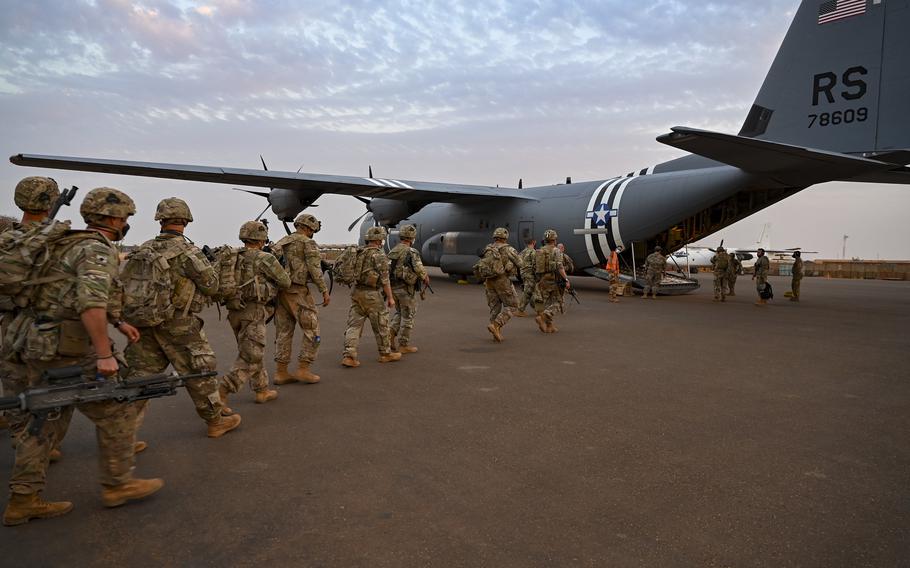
{"points": [[550, 272], [67, 322], [371, 284], [655, 265], [35, 196], [613, 269], [569, 265], [797, 275], [498, 263], [760, 275], [258, 275], [526, 271], [171, 329], [732, 273], [721, 263], [407, 269], [300, 255]]}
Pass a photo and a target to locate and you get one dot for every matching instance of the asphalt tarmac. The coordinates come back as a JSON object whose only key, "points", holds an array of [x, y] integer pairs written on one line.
{"points": [[668, 432]]}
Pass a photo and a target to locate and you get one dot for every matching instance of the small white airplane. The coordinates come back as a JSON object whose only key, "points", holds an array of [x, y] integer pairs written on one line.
{"points": [[694, 258]]}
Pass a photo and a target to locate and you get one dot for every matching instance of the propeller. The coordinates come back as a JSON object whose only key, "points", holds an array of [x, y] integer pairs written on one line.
{"points": [[366, 202]]}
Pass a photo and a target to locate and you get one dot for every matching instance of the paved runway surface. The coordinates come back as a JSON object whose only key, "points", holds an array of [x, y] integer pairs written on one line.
{"points": [[675, 432]]}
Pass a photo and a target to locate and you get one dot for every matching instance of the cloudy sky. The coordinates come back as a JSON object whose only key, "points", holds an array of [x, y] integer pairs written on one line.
{"points": [[470, 92]]}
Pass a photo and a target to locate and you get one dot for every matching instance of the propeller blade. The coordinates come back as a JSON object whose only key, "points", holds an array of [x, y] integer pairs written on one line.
{"points": [[261, 159], [357, 220], [568, 180], [519, 183], [371, 172], [263, 213], [362, 200], [286, 228], [300, 168], [259, 193]]}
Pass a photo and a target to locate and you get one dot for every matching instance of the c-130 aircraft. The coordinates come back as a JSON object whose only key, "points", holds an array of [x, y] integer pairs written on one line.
{"points": [[835, 106]]}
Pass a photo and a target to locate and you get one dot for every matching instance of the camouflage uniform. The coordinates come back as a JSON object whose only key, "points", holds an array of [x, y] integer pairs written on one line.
{"points": [[654, 265], [501, 297], [762, 266], [259, 274], [797, 276], [732, 273], [296, 305], [548, 261], [367, 302], [721, 263], [180, 341], [407, 260], [526, 271], [569, 265], [83, 269]]}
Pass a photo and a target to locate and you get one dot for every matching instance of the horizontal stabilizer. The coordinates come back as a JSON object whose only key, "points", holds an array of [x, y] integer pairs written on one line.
{"points": [[789, 165]]}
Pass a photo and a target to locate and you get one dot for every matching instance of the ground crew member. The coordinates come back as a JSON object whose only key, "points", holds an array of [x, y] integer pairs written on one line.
{"points": [[655, 265], [760, 275], [407, 269], [613, 269], [258, 275], [732, 273], [367, 303], [797, 276], [526, 271], [550, 271], [300, 256], [501, 263], [35, 196], [71, 310], [721, 263], [179, 339]]}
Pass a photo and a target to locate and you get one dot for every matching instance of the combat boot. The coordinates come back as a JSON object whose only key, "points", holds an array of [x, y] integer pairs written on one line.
{"points": [[22, 508], [390, 357], [266, 395], [220, 427], [496, 331], [282, 377], [55, 455], [139, 447], [132, 490], [223, 393], [350, 362], [393, 340], [541, 323], [407, 349], [551, 328], [304, 375], [520, 314]]}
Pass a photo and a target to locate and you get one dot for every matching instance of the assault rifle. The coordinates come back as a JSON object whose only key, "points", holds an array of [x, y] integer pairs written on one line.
{"points": [[561, 283], [66, 386], [419, 284], [66, 198]]}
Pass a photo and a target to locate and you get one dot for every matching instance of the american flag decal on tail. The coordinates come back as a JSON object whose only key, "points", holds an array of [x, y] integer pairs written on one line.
{"points": [[834, 10]]}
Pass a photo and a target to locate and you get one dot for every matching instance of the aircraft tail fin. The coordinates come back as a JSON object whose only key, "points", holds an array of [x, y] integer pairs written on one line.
{"points": [[841, 79]]}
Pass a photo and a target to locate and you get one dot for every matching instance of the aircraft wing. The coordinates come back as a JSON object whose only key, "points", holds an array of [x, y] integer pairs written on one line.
{"points": [[306, 183], [790, 165], [778, 251]]}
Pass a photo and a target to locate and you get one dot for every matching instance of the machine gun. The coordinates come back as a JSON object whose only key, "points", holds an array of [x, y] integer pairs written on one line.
{"points": [[66, 198], [66, 386]]}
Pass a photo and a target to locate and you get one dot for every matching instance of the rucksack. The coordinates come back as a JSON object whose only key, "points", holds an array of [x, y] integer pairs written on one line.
{"points": [[545, 261], [226, 269], [148, 286], [721, 261], [491, 264], [402, 267], [766, 293], [23, 253], [345, 268]]}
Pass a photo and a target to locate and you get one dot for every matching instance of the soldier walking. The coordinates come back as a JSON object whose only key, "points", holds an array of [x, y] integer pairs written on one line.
{"points": [[371, 279], [498, 263], [721, 263], [797, 276], [406, 271], [552, 280], [164, 304], [526, 271], [613, 269], [732, 273], [258, 276], [66, 325], [655, 265], [300, 255], [762, 266]]}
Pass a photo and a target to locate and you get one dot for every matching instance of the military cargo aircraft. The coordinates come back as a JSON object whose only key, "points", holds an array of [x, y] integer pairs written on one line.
{"points": [[835, 106]]}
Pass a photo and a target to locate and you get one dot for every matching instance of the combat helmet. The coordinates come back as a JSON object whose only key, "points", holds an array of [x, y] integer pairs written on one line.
{"points": [[375, 234], [107, 202], [658, 249], [501, 233], [309, 221], [550, 235], [407, 232], [36, 193], [253, 231], [173, 208]]}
